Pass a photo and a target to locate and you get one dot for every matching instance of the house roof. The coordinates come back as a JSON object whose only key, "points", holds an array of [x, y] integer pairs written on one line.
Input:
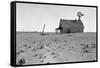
{"points": [[71, 23]]}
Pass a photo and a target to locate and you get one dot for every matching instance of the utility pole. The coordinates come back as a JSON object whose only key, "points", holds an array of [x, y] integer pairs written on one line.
{"points": [[43, 29]]}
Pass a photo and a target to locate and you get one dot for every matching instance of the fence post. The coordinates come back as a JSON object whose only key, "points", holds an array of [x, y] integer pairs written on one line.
{"points": [[43, 29]]}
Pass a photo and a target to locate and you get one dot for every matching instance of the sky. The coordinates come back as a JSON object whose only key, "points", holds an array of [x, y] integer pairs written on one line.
{"points": [[32, 17]]}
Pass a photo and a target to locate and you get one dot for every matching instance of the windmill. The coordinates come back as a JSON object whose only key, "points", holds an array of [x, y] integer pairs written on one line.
{"points": [[79, 14]]}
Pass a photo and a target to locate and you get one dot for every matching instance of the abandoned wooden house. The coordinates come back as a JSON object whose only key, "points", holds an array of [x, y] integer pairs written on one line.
{"points": [[71, 26]]}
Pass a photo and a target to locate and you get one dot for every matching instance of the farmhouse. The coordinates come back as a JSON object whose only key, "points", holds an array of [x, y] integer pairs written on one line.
{"points": [[71, 26]]}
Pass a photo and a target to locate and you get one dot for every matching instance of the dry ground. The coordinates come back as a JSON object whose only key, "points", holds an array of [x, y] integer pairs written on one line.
{"points": [[33, 48]]}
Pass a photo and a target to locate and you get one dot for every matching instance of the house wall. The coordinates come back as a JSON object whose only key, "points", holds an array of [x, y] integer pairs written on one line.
{"points": [[76, 30], [71, 30]]}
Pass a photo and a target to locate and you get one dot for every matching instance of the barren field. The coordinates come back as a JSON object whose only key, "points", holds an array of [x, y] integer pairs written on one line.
{"points": [[33, 48]]}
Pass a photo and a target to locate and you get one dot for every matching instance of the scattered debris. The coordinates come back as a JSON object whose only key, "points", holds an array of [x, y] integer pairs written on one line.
{"points": [[93, 45], [21, 62], [29, 47], [25, 45]]}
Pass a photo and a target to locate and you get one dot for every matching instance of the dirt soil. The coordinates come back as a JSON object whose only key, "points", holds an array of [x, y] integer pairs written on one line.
{"points": [[33, 48]]}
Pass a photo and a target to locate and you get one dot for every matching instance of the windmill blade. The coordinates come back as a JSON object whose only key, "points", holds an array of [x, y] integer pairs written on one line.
{"points": [[82, 14], [79, 14]]}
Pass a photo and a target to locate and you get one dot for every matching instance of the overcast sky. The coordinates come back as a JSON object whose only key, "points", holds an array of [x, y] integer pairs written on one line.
{"points": [[32, 17]]}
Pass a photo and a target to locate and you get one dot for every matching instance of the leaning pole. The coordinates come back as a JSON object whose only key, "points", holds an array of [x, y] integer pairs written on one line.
{"points": [[43, 29]]}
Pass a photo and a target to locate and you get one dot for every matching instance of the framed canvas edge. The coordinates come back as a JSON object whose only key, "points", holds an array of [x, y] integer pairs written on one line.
{"points": [[13, 32]]}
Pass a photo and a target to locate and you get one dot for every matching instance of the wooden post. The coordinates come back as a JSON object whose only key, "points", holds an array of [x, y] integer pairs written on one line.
{"points": [[43, 30]]}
